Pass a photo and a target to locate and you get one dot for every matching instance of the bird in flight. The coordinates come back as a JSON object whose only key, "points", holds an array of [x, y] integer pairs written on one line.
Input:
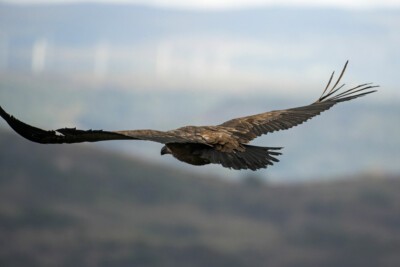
{"points": [[225, 144]]}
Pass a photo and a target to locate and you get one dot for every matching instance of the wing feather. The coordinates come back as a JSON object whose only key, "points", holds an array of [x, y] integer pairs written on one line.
{"points": [[73, 135], [252, 157], [237, 130], [250, 127]]}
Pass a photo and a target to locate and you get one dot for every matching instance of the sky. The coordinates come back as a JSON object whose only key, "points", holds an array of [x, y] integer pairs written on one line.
{"points": [[229, 4], [248, 56]]}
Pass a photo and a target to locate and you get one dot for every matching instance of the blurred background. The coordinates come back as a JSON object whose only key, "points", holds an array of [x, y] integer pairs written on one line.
{"points": [[333, 200]]}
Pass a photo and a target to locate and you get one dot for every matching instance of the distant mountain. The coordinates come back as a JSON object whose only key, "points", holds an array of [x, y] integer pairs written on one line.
{"points": [[79, 206]]}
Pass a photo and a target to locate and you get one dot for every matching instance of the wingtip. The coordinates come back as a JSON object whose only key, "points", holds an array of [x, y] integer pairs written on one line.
{"points": [[4, 114], [334, 94]]}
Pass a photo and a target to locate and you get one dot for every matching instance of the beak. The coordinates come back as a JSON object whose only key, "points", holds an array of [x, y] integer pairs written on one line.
{"points": [[165, 150]]}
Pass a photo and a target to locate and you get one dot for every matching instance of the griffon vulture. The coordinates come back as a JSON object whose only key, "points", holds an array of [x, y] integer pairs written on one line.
{"points": [[225, 144]]}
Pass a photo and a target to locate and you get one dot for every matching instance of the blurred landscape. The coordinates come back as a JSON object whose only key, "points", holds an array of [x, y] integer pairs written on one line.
{"points": [[333, 200], [80, 206]]}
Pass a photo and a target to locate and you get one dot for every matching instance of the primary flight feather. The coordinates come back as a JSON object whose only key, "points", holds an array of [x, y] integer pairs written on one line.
{"points": [[225, 144]]}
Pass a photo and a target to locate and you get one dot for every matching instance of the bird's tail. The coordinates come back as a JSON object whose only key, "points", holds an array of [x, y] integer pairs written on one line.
{"points": [[253, 157], [256, 157]]}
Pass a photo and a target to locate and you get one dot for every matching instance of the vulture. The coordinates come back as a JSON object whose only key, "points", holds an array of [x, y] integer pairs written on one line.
{"points": [[226, 144]]}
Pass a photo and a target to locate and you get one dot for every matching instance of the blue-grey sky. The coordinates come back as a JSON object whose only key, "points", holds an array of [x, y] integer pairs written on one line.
{"points": [[171, 67], [221, 4]]}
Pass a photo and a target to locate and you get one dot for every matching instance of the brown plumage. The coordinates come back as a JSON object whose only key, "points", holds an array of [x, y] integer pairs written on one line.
{"points": [[225, 144]]}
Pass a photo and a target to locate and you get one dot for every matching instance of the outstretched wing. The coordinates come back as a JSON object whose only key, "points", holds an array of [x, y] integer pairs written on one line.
{"points": [[73, 135], [250, 127]]}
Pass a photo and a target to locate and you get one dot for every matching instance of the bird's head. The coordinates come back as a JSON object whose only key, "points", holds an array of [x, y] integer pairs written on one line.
{"points": [[165, 150]]}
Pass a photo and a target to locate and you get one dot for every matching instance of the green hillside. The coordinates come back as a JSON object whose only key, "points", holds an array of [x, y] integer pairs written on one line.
{"points": [[78, 206]]}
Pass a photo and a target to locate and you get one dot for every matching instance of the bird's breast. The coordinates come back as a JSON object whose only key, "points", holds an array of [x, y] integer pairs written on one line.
{"points": [[189, 153]]}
